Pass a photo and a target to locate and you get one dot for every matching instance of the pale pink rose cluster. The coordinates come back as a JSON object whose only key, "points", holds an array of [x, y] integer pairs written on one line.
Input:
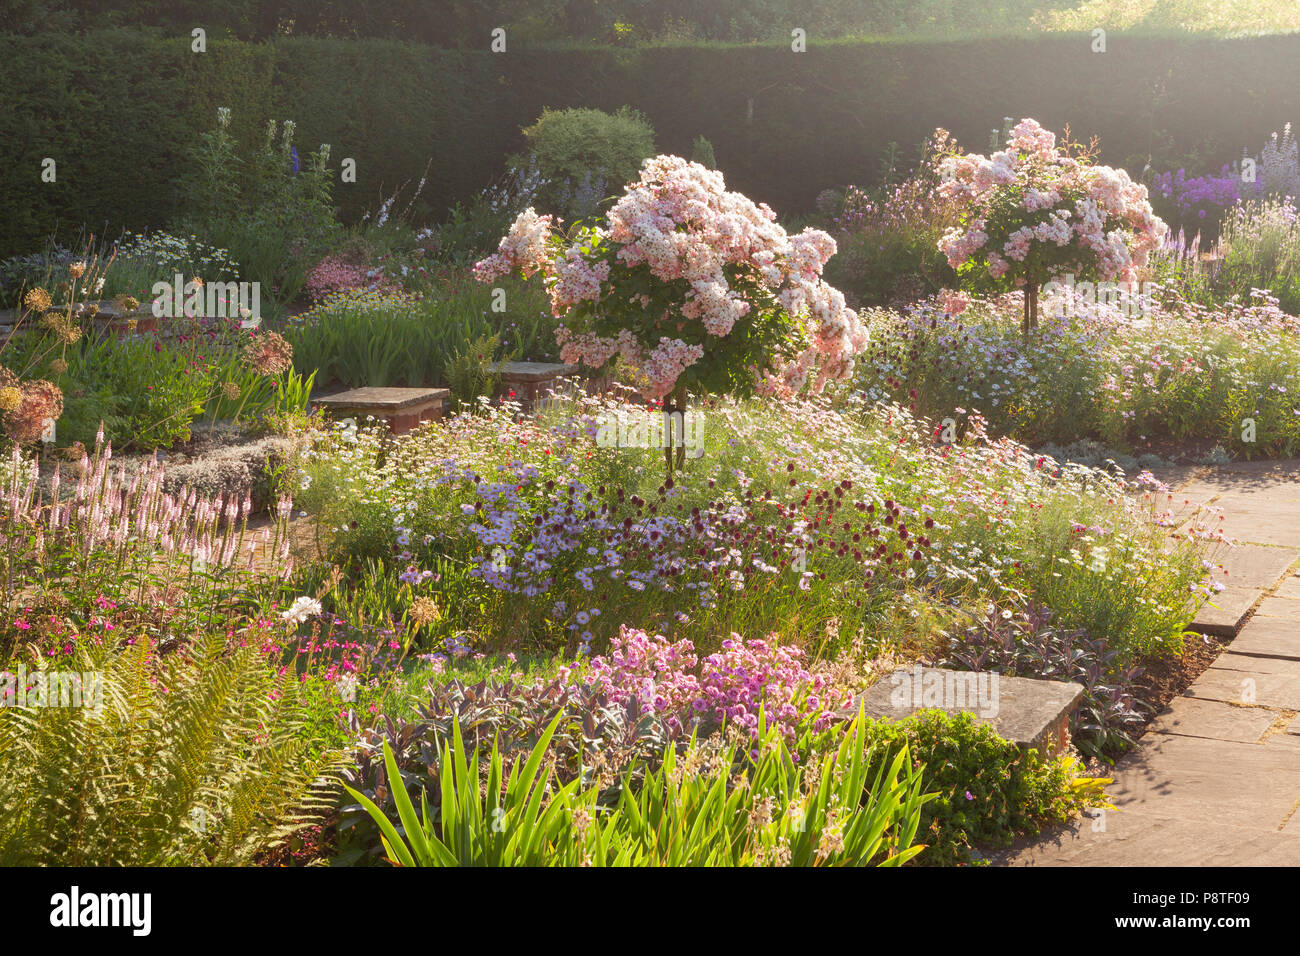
{"points": [[1113, 219], [590, 349], [653, 372], [523, 248], [679, 221], [576, 280]]}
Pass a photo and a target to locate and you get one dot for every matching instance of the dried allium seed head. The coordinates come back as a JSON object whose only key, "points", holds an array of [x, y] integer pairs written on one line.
{"points": [[42, 402], [77, 270], [269, 353], [58, 366], [37, 299], [424, 611], [127, 303], [230, 391], [10, 398]]}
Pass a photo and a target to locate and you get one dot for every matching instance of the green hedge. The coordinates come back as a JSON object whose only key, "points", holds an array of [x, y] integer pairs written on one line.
{"points": [[115, 108]]}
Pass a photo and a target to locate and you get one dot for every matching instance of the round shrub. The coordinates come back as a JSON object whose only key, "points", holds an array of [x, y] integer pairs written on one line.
{"points": [[989, 791], [576, 144]]}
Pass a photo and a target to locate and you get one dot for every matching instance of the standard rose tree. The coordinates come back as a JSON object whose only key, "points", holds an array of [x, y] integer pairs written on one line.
{"points": [[1035, 211], [690, 288]]}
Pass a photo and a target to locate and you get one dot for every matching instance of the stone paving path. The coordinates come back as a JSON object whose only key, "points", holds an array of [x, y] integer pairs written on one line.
{"points": [[1216, 778]]}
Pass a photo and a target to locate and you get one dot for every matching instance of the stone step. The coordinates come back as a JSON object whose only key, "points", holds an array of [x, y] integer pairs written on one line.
{"points": [[530, 381], [1035, 714], [402, 408]]}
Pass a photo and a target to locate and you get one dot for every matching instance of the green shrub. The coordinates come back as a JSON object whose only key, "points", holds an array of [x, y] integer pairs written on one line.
{"points": [[275, 213], [576, 144], [1262, 239], [146, 397], [988, 790], [192, 758], [889, 237], [469, 373], [702, 153]]}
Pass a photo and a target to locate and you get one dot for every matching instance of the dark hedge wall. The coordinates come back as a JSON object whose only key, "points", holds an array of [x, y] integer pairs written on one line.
{"points": [[115, 108]]}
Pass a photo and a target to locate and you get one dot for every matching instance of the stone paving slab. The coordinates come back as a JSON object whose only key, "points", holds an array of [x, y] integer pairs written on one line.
{"points": [[1256, 565], [1194, 717], [1175, 476], [1253, 472], [1145, 839], [1274, 606], [1276, 527], [1269, 637], [1270, 690], [1278, 741], [1255, 664], [1230, 491], [1027, 711], [1290, 588], [532, 372], [1283, 502], [1213, 719], [1216, 781], [1225, 616]]}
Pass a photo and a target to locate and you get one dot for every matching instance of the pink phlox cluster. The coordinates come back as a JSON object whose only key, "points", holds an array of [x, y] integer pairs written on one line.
{"points": [[727, 687]]}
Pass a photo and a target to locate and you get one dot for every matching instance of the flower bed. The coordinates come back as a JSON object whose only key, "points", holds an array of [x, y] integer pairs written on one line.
{"points": [[856, 517], [1179, 378]]}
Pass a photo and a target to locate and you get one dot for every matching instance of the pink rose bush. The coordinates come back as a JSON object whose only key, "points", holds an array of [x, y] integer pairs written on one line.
{"points": [[1036, 211], [727, 687], [690, 285]]}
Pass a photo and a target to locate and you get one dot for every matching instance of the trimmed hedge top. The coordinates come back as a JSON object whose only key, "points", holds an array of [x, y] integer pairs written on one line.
{"points": [[114, 108]]}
